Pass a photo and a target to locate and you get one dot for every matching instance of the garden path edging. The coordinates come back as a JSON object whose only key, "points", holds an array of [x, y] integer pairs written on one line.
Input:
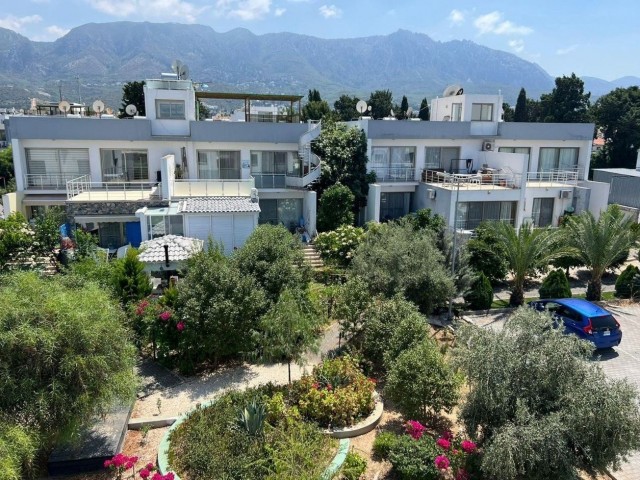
{"points": [[365, 426]]}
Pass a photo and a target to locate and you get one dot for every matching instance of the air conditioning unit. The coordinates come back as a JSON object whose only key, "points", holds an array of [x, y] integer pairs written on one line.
{"points": [[431, 193], [487, 146], [565, 193]]}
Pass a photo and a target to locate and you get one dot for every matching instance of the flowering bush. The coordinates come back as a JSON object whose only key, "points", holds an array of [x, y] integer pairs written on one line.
{"points": [[155, 323], [336, 394], [120, 464], [415, 429], [337, 246]]}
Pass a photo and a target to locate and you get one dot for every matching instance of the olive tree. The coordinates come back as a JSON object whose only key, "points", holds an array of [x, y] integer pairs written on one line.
{"points": [[537, 404]]}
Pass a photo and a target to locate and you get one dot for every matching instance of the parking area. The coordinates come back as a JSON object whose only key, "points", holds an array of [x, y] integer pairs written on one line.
{"points": [[621, 362]]}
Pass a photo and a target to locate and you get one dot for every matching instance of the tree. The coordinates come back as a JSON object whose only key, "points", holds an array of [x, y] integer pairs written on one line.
{"points": [[132, 94], [628, 283], [132, 283], [486, 255], [345, 108], [344, 160], [289, 329], [567, 102], [525, 250], [315, 108], [65, 354], [617, 116], [203, 110], [47, 229], [17, 242], [381, 103], [521, 113], [534, 110], [426, 219], [395, 258], [555, 285], [352, 301], [18, 448], [507, 112], [480, 295], [420, 383], [530, 388], [401, 111], [335, 208], [6, 167], [423, 113], [599, 243], [274, 258]]}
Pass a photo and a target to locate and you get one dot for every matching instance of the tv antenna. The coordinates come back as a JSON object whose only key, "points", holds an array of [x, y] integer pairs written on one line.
{"points": [[453, 90], [131, 110], [64, 107], [180, 69], [98, 107]]}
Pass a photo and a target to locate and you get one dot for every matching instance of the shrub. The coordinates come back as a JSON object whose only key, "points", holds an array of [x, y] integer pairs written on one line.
{"points": [[383, 444], [420, 383], [18, 447], [351, 301], [336, 394], [132, 283], [555, 285], [353, 467], [628, 283], [486, 255], [480, 296], [414, 459], [335, 208], [337, 246]]}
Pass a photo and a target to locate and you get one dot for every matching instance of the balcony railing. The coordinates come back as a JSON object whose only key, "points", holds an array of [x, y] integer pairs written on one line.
{"points": [[270, 180], [471, 181], [393, 174], [553, 176], [168, 84], [82, 188], [34, 181], [213, 188]]}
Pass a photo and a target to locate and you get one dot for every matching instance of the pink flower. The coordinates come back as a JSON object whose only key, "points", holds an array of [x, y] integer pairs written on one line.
{"points": [[133, 459], [442, 462], [180, 326], [447, 435], [129, 465], [157, 476], [415, 429], [164, 316], [119, 460], [108, 463], [462, 475], [443, 443], [315, 385], [144, 473], [468, 446], [150, 466], [169, 476]]}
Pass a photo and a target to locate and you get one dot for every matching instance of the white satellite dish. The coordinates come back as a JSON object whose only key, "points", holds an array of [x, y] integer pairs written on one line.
{"points": [[362, 106], [180, 69], [453, 90], [409, 112], [98, 106], [131, 110], [64, 106]]}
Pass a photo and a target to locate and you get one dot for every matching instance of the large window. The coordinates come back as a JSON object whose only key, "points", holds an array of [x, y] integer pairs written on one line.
{"points": [[281, 211], [124, 165], [542, 211], [161, 225], [482, 112], [52, 167], [170, 109], [439, 158], [394, 205], [270, 168], [214, 164], [393, 164], [456, 112], [472, 214], [558, 159]]}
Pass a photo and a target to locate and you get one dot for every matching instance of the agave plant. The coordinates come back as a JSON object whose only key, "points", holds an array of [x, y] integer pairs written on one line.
{"points": [[251, 418]]}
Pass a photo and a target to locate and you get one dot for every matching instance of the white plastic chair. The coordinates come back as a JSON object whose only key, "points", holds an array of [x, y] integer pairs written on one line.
{"points": [[122, 251]]}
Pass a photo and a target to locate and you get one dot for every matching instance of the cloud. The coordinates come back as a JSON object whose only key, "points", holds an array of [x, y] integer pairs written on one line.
{"points": [[330, 11], [244, 9], [168, 9], [517, 45], [456, 17], [493, 23], [52, 32], [564, 51], [279, 12], [14, 23]]}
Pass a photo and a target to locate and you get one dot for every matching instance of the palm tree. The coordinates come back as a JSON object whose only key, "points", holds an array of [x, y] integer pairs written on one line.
{"points": [[600, 243], [526, 249]]}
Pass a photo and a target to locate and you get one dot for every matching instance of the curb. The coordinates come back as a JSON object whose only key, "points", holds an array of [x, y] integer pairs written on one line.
{"points": [[338, 460], [139, 423], [365, 426]]}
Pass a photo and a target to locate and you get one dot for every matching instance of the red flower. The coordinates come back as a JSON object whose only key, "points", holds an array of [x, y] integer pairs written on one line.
{"points": [[443, 443], [119, 460], [180, 326], [164, 316], [447, 435], [315, 385], [129, 465], [150, 466], [462, 475], [415, 429], [373, 380], [144, 473], [468, 446], [442, 462], [108, 463], [329, 387]]}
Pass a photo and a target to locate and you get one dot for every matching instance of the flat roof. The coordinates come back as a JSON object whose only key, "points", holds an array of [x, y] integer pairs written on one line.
{"points": [[627, 172], [249, 96]]}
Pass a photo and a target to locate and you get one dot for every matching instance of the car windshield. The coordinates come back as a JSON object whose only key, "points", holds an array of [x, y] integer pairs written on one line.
{"points": [[603, 322]]}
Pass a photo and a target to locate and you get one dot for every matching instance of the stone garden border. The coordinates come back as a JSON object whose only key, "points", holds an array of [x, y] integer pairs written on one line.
{"points": [[362, 427]]}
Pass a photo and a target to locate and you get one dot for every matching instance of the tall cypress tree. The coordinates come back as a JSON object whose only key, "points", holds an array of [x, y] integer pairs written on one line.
{"points": [[522, 112], [423, 114]]}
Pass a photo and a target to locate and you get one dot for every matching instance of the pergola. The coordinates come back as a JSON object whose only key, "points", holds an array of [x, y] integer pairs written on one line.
{"points": [[248, 97]]}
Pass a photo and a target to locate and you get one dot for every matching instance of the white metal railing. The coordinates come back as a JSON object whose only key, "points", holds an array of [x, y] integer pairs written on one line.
{"points": [[393, 174], [553, 176], [110, 190], [168, 84], [34, 181], [269, 180], [213, 188], [471, 181]]}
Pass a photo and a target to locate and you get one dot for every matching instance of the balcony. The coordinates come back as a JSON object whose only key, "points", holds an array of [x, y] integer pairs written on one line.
{"points": [[552, 178], [270, 180], [50, 181], [393, 174], [82, 189], [473, 181], [213, 188]]}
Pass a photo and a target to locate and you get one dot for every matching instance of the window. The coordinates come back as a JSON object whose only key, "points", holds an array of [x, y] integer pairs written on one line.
{"points": [[558, 159], [521, 150], [170, 109], [161, 225], [281, 211], [440, 157], [124, 165], [214, 164], [110, 235], [52, 167], [394, 205], [456, 112], [393, 164], [542, 211], [482, 112], [472, 214]]}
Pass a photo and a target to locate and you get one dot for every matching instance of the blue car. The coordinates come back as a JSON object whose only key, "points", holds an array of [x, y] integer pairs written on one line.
{"points": [[584, 319]]}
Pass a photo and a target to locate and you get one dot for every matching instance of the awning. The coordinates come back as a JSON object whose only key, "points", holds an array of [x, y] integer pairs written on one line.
{"points": [[106, 218], [44, 199]]}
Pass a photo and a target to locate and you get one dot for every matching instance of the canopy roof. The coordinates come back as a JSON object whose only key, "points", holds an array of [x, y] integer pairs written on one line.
{"points": [[180, 248]]}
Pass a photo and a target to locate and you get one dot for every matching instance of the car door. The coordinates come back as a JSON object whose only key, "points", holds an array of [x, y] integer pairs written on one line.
{"points": [[571, 320]]}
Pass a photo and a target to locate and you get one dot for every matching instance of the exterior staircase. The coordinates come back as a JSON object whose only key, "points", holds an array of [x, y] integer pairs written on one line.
{"points": [[312, 257]]}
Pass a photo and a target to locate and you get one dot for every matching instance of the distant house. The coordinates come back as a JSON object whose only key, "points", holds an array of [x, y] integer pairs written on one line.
{"points": [[624, 185]]}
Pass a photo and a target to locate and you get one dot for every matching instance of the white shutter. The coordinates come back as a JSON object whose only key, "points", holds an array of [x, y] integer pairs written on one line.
{"points": [[198, 226], [222, 231], [243, 226]]}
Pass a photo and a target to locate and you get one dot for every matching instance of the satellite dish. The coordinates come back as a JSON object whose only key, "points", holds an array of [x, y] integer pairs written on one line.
{"points": [[392, 114], [180, 69], [109, 111], [98, 106], [362, 106], [453, 90], [131, 110], [64, 106], [409, 112]]}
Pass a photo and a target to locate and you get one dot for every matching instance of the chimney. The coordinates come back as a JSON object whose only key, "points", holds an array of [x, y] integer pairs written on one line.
{"points": [[638, 161], [166, 255]]}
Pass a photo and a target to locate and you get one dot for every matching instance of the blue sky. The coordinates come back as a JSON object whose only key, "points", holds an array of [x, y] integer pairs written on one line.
{"points": [[592, 38]]}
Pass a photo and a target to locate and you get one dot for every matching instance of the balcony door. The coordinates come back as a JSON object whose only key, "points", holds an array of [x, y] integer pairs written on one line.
{"points": [[224, 165]]}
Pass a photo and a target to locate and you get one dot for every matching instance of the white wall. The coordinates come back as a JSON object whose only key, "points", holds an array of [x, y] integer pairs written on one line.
{"points": [[309, 206], [442, 107], [373, 203], [169, 127], [598, 200]]}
